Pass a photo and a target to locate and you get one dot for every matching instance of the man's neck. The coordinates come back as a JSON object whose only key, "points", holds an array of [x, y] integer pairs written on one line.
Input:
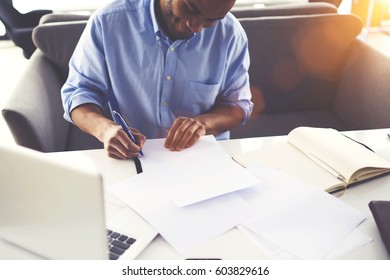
{"points": [[160, 19]]}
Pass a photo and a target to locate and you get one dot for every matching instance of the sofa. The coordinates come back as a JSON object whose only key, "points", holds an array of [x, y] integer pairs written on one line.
{"points": [[306, 69], [312, 70]]}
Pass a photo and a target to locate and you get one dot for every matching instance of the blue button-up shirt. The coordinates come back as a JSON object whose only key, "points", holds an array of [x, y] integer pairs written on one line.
{"points": [[124, 53]]}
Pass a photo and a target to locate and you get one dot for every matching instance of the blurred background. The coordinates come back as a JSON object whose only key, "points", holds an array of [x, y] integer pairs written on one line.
{"points": [[375, 15]]}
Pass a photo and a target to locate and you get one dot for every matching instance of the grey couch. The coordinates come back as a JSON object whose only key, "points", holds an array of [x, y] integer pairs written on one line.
{"points": [[312, 70], [305, 70]]}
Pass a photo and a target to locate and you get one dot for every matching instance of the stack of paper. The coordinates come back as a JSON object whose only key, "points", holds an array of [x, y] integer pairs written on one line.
{"points": [[188, 196], [306, 222], [192, 175], [199, 193]]}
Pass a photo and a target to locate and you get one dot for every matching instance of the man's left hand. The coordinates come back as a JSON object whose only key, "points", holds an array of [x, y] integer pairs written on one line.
{"points": [[184, 133]]}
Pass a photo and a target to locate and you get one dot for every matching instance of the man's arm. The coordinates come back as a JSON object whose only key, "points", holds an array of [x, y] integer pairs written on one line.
{"points": [[90, 119], [186, 131]]}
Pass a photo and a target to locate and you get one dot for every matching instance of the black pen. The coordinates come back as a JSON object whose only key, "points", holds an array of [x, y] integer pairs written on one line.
{"points": [[125, 127]]}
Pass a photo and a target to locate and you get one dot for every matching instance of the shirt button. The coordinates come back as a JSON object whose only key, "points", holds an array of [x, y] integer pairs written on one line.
{"points": [[172, 49], [169, 77], [164, 104]]}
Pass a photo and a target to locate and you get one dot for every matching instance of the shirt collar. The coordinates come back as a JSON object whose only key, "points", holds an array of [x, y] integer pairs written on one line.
{"points": [[156, 27]]}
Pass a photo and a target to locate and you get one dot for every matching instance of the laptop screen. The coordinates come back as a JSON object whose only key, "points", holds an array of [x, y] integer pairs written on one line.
{"points": [[50, 207]]}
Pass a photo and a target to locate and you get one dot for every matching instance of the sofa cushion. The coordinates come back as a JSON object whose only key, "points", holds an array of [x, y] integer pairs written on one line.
{"points": [[57, 41], [296, 60], [363, 94]]}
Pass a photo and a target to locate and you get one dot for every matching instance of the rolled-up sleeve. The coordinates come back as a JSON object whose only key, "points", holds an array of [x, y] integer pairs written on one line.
{"points": [[88, 80], [236, 90]]}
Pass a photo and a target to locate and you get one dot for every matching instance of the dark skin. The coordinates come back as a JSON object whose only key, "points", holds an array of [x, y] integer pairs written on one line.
{"points": [[179, 19]]}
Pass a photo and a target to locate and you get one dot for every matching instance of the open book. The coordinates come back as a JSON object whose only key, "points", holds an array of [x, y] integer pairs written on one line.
{"points": [[320, 156]]}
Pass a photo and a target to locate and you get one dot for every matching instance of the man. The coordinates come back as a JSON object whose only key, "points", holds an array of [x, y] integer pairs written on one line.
{"points": [[176, 69]]}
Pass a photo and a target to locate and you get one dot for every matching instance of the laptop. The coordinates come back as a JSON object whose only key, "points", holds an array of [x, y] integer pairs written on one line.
{"points": [[52, 209]]}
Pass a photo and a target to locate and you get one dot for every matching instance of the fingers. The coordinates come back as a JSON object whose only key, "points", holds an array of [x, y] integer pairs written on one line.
{"points": [[119, 146], [184, 133], [139, 137]]}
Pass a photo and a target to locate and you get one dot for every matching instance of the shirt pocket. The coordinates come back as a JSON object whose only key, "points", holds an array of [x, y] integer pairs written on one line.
{"points": [[199, 97]]}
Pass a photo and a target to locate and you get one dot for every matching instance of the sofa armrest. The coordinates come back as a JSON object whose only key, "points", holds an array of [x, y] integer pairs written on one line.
{"points": [[62, 17], [32, 112], [362, 98]]}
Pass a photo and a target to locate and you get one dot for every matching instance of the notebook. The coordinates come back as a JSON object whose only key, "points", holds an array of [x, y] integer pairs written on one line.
{"points": [[52, 209], [332, 161]]}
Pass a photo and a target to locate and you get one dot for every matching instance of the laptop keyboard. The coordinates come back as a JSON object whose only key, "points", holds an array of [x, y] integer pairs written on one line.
{"points": [[118, 244]]}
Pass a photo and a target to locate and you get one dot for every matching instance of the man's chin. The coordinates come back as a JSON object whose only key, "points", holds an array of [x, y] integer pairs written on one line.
{"points": [[182, 32]]}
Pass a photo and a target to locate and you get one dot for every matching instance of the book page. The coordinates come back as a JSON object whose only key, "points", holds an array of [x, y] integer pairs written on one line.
{"points": [[337, 152]]}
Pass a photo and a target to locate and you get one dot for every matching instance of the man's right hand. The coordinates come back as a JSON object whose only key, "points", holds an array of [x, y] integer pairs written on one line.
{"points": [[118, 145], [90, 119]]}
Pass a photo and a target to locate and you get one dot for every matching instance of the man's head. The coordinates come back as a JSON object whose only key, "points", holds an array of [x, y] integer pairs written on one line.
{"points": [[181, 18]]}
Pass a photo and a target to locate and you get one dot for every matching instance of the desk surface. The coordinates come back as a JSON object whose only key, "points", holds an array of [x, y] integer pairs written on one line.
{"points": [[358, 196], [232, 243]]}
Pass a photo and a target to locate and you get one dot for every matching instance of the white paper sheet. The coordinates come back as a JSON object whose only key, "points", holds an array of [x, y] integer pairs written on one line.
{"points": [[156, 156], [184, 228], [195, 174], [353, 241], [299, 218]]}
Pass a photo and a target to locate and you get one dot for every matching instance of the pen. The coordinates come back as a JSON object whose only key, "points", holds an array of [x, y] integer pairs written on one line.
{"points": [[125, 127]]}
